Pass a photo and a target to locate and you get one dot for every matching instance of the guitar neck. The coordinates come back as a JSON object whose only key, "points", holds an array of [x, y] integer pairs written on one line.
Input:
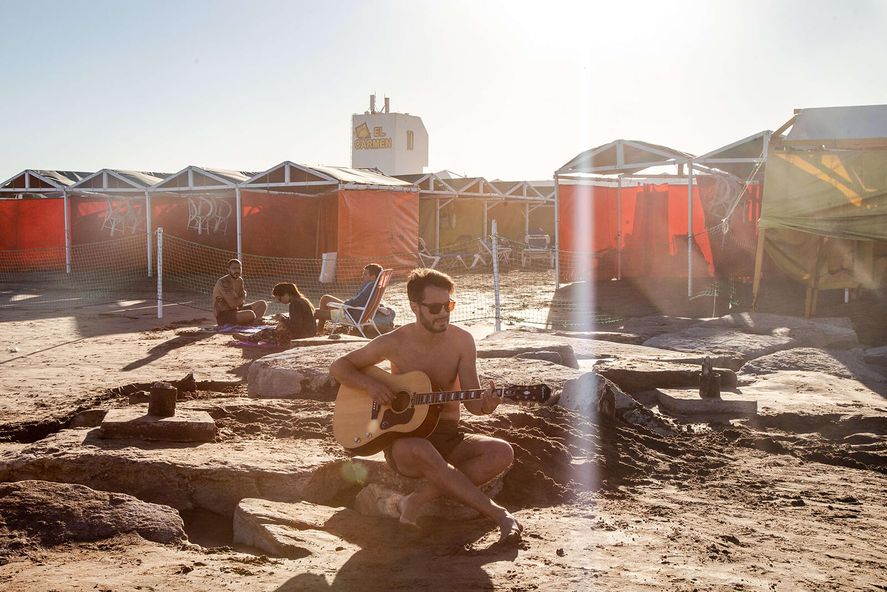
{"points": [[442, 397]]}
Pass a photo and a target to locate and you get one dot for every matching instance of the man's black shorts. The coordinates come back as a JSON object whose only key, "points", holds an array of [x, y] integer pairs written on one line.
{"points": [[229, 317], [446, 436]]}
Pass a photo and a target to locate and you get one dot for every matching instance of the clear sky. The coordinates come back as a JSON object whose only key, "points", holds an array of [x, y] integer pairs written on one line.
{"points": [[507, 90]]}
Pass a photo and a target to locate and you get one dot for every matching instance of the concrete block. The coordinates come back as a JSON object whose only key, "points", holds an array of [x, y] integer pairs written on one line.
{"points": [[135, 423], [688, 402]]}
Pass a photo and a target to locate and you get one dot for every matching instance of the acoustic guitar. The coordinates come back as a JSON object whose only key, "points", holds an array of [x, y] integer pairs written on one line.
{"points": [[364, 427]]}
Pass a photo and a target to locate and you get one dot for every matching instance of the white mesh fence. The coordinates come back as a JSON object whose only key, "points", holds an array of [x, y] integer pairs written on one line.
{"points": [[99, 273], [190, 270], [116, 270]]}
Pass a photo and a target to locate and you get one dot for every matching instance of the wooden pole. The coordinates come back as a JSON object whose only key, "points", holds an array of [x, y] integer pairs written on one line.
{"points": [[759, 260]]}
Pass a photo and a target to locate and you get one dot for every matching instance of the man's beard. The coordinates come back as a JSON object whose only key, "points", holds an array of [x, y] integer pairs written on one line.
{"points": [[430, 327]]}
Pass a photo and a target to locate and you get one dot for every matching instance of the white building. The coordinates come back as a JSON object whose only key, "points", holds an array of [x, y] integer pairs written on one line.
{"points": [[394, 143]]}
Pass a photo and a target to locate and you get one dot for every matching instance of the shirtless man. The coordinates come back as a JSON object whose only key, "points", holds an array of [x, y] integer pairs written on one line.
{"points": [[229, 299], [450, 461]]}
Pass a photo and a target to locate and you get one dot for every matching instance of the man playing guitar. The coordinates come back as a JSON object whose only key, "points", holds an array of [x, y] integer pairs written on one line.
{"points": [[451, 462]]}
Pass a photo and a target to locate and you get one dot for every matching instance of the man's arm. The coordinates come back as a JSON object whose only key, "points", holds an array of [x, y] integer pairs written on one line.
{"points": [[347, 369], [228, 292], [361, 298], [240, 291], [468, 378]]}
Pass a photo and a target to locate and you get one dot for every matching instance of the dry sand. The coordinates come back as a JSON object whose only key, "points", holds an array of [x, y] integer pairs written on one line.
{"points": [[785, 505]]}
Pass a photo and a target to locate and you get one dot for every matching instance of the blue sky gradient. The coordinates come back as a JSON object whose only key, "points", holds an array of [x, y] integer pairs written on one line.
{"points": [[507, 90]]}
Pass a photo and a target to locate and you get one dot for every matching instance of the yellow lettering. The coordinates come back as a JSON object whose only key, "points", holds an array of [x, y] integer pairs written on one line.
{"points": [[372, 144]]}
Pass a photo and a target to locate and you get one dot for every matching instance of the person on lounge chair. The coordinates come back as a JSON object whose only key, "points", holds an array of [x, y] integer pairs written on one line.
{"points": [[229, 299], [326, 313]]}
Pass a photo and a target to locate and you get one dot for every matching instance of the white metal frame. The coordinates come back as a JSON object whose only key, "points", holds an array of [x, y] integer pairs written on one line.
{"points": [[134, 187], [431, 186], [225, 184], [669, 157], [48, 192]]}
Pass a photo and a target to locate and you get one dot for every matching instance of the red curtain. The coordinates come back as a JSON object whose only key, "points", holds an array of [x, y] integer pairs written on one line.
{"points": [[654, 229], [36, 229], [378, 225]]}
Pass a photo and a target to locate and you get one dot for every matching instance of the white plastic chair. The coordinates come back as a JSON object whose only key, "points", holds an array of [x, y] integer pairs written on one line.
{"points": [[199, 211], [503, 252], [221, 215], [538, 247], [426, 258], [114, 217]]}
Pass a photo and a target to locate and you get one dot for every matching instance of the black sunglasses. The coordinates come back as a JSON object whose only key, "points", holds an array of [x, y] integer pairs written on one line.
{"points": [[436, 307]]}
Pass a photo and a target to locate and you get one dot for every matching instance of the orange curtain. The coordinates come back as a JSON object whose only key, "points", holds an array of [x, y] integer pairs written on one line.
{"points": [[654, 229], [35, 226], [377, 225]]}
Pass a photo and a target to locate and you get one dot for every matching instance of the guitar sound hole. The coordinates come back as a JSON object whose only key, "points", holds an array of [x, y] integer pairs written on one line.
{"points": [[401, 402]]}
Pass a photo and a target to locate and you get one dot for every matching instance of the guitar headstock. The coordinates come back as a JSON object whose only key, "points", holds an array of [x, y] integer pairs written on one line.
{"points": [[538, 393]]}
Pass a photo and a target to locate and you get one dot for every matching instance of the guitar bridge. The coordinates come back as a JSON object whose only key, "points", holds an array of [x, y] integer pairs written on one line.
{"points": [[375, 411]]}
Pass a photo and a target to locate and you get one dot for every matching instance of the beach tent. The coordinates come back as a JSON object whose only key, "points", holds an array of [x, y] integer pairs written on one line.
{"points": [[824, 214], [454, 209], [293, 210], [34, 222], [200, 205], [731, 202], [614, 221], [113, 204]]}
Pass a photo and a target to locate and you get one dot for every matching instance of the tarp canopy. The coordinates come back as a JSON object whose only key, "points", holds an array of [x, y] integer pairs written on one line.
{"points": [[855, 127], [296, 210], [119, 181], [623, 157], [37, 183], [744, 158], [835, 193], [824, 213], [195, 178]]}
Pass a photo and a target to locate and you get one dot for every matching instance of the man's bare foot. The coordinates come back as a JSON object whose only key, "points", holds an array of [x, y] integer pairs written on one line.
{"points": [[409, 511], [510, 529]]}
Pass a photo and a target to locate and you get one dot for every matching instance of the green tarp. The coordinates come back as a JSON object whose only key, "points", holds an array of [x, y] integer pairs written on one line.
{"points": [[835, 193], [822, 210]]}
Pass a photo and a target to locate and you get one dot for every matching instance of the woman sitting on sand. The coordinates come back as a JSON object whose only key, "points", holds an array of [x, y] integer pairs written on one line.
{"points": [[300, 321]]}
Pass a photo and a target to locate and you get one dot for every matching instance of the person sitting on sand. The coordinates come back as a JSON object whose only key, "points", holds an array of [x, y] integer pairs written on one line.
{"points": [[300, 321], [229, 299], [325, 313], [451, 462]]}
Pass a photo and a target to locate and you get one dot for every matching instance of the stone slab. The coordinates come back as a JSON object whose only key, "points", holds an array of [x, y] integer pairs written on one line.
{"points": [[636, 376], [734, 339], [291, 530], [687, 402], [585, 348], [134, 423], [842, 363], [304, 373], [835, 332], [506, 345], [212, 475], [813, 393], [301, 372], [55, 513], [727, 347], [876, 355]]}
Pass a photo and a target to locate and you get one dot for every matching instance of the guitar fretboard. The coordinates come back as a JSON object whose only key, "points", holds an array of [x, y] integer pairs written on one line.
{"points": [[439, 398]]}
